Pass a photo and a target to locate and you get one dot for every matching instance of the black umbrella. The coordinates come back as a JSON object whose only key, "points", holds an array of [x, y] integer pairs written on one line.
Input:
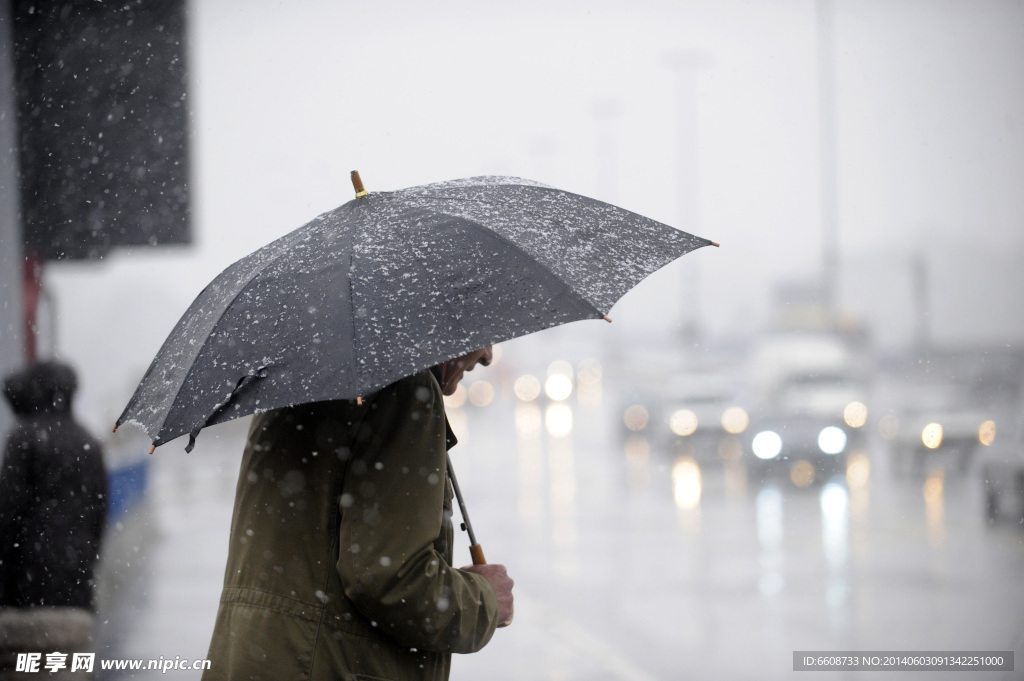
{"points": [[387, 285]]}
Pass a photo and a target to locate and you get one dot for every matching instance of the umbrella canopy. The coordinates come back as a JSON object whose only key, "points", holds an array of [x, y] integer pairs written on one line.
{"points": [[387, 285]]}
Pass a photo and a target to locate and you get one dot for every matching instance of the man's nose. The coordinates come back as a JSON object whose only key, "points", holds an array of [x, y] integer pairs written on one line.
{"points": [[488, 355]]}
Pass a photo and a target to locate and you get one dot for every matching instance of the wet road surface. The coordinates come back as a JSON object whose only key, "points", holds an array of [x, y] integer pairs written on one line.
{"points": [[630, 565]]}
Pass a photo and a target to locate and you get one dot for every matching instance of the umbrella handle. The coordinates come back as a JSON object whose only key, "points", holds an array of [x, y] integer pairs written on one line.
{"points": [[477, 552]]}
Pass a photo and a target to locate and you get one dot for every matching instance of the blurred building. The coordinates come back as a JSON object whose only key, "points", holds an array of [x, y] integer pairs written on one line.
{"points": [[11, 343], [94, 117]]}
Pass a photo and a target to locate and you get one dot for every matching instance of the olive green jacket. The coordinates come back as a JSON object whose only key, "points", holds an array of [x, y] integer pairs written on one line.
{"points": [[341, 543]]}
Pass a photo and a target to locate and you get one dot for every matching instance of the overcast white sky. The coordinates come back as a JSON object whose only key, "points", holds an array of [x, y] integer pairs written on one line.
{"points": [[288, 97]]}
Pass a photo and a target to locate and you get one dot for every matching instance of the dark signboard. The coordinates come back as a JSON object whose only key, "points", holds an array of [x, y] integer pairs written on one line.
{"points": [[102, 124]]}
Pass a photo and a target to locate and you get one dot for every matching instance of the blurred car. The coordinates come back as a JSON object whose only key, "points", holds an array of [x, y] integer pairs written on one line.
{"points": [[807, 429], [805, 449], [1001, 465], [690, 414], [936, 438], [943, 426], [702, 417], [946, 403]]}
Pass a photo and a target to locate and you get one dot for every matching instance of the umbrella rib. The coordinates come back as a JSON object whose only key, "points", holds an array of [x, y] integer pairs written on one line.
{"points": [[352, 368], [599, 314], [530, 258], [543, 272], [157, 439]]}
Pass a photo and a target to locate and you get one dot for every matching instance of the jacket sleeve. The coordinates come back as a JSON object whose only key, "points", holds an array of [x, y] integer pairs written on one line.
{"points": [[392, 507]]}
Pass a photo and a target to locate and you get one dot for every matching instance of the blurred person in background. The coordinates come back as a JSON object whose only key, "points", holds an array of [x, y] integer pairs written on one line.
{"points": [[53, 506]]}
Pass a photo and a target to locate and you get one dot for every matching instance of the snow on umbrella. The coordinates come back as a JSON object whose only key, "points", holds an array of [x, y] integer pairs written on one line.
{"points": [[387, 285]]}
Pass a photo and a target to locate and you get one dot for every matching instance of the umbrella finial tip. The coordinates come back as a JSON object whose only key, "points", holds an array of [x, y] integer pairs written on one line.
{"points": [[152, 449], [115, 429], [716, 245], [357, 183], [607, 319]]}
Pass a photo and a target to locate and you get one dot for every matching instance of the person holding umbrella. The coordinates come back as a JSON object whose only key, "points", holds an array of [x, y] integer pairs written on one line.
{"points": [[341, 543], [342, 336]]}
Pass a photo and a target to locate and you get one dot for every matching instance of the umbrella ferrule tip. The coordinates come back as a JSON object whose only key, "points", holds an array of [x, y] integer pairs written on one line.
{"points": [[357, 183]]}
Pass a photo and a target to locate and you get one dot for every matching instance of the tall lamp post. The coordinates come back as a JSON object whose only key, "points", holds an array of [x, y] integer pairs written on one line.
{"points": [[827, 156], [685, 64]]}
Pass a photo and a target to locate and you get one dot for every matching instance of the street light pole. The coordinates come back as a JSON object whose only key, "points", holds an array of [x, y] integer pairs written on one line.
{"points": [[827, 156], [685, 64]]}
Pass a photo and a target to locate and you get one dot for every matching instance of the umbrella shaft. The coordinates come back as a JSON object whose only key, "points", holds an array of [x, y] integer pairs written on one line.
{"points": [[462, 504]]}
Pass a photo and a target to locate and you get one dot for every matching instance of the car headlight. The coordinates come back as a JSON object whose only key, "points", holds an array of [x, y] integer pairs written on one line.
{"points": [[735, 420], [832, 440], [931, 435], [635, 417], [766, 444], [855, 414], [987, 433], [683, 422]]}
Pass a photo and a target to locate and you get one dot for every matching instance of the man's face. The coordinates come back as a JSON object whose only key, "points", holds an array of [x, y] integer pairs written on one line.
{"points": [[453, 370]]}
